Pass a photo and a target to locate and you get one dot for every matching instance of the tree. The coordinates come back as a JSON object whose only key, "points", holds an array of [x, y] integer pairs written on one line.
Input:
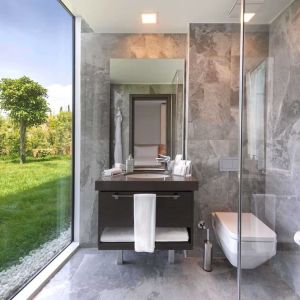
{"points": [[25, 102], [9, 137]]}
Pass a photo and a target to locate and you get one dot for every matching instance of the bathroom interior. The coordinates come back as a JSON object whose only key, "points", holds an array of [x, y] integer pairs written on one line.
{"points": [[188, 127]]}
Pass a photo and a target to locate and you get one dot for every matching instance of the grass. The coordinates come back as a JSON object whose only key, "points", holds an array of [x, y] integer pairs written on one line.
{"points": [[35, 205]]}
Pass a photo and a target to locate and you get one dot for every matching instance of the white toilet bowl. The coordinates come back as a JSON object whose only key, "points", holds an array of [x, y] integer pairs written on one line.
{"points": [[258, 240]]}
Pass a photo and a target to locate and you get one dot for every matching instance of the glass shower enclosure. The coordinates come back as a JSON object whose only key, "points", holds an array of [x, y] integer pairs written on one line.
{"points": [[269, 202]]}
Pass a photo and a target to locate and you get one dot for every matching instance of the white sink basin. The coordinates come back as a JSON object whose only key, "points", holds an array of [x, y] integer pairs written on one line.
{"points": [[147, 176]]}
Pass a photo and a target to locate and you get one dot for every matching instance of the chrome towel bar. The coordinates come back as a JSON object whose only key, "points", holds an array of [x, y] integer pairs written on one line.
{"points": [[116, 196]]}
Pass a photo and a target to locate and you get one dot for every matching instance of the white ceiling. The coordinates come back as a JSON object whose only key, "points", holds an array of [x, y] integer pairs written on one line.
{"points": [[144, 71], [123, 16]]}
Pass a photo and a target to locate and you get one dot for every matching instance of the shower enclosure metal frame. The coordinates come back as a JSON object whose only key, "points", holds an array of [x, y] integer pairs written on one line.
{"points": [[241, 118]]}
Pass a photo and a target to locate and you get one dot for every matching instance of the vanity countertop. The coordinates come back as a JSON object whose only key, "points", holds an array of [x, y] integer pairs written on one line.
{"points": [[124, 183]]}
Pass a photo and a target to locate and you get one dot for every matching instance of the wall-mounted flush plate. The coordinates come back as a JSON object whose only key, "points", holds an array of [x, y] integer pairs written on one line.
{"points": [[229, 164]]}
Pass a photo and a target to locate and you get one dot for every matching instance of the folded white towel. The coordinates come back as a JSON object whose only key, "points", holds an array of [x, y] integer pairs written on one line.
{"points": [[117, 235], [111, 172], [126, 234], [171, 234], [144, 222], [178, 158], [180, 168]]}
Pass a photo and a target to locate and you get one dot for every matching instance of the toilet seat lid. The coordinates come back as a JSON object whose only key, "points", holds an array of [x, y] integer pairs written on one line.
{"points": [[253, 229]]}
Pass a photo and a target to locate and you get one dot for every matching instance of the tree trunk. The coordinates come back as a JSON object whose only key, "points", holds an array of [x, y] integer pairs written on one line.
{"points": [[22, 142]]}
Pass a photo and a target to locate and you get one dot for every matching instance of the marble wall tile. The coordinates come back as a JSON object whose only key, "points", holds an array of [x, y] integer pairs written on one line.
{"points": [[97, 49], [284, 115], [213, 125], [212, 121]]}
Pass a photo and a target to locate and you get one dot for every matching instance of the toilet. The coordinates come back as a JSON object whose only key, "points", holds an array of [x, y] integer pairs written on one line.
{"points": [[258, 240]]}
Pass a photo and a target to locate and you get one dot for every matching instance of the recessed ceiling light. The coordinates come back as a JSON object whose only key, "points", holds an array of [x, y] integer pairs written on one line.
{"points": [[149, 18], [248, 17]]}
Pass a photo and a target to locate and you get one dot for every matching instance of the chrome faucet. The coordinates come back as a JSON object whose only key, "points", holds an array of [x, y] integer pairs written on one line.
{"points": [[164, 159]]}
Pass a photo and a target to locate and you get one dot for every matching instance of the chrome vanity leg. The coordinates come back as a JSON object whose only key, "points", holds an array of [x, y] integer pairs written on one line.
{"points": [[185, 253], [171, 256], [120, 257]]}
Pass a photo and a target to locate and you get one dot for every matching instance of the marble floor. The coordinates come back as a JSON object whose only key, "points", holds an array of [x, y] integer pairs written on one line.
{"points": [[91, 274]]}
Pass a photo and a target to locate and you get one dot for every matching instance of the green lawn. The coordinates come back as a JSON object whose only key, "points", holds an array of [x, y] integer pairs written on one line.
{"points": [[34, 205]]}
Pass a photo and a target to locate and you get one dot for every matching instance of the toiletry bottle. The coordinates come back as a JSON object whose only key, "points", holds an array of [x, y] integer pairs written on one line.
{"points": [[129, 164]]}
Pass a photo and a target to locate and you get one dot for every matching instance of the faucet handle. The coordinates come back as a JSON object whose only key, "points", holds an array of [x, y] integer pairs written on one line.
{"points": [[166, 158], [201, 225]]}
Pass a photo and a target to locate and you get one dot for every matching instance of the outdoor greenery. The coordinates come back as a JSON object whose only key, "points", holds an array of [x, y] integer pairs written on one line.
{"points": [[35, 196], [24, 100], [35, 205], [54, 137]]}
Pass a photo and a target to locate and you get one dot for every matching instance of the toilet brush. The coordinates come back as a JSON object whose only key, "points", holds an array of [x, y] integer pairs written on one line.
{"points": [[207, 254]]}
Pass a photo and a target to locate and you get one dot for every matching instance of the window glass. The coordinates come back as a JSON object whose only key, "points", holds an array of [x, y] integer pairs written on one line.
{"points": [[36, 83]]}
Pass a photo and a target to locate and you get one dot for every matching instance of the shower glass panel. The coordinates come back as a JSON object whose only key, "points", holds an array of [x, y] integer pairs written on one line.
{"points": [[270, 189]]}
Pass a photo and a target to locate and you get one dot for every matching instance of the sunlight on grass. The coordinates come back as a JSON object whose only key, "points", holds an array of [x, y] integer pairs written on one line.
{"points": [[35, 205]]}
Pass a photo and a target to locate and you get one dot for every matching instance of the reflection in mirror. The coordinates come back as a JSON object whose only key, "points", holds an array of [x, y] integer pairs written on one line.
{"points": [[147, 110], [150, 133]]}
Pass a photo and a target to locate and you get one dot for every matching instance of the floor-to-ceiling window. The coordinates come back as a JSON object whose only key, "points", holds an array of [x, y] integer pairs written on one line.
{"points": [[36, 138]]}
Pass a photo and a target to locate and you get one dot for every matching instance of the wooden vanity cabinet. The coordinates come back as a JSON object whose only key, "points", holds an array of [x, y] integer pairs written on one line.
{"points": [[174, 208]]}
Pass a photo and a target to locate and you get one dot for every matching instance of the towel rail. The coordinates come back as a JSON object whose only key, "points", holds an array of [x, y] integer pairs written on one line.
{"points": [[175, 196]]}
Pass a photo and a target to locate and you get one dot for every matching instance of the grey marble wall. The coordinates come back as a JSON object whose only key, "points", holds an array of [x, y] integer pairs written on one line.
{"points": [[283, 138], [97, 49], [213, 112], [212, 115]]}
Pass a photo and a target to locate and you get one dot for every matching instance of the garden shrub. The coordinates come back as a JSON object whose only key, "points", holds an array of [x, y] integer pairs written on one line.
{"points": [[49, 139]]}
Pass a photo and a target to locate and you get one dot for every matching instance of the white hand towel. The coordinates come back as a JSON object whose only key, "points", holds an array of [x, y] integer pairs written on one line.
{"points": [[112, 172], [144, 222]]}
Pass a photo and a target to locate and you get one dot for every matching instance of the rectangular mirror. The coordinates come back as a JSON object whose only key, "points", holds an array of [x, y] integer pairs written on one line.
{"points": [[147, 109]]}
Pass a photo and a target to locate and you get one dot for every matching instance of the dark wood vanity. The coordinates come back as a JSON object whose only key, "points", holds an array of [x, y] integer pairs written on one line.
{"points": [[174, 207]]}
